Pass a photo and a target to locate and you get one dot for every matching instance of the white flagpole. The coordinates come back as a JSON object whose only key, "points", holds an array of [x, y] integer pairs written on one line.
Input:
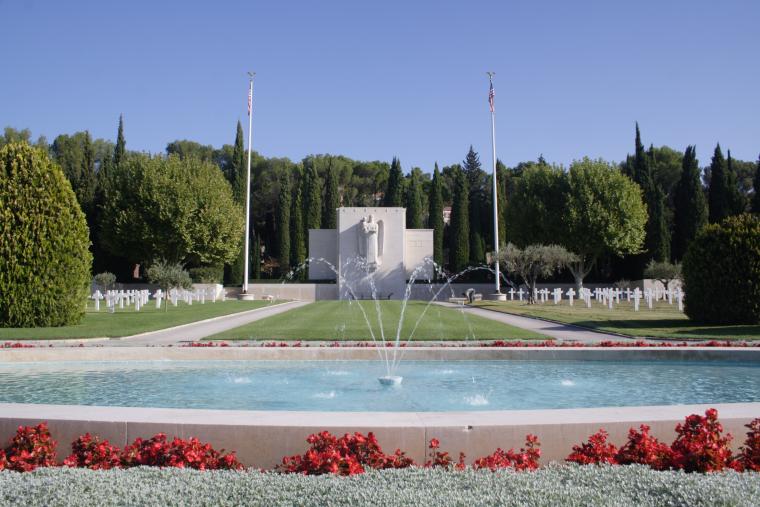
{"points": [[495, 202], [248, 187]]}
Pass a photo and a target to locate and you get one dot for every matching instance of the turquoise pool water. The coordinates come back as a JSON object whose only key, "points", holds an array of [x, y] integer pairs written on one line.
{"points": [[353, 385]]}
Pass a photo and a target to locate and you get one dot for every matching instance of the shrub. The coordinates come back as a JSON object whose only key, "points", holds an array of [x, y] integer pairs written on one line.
{"points": [[720, 272], [93, 453], [32, 447], [699, 446], [643, 449], [44, 242], [595, 451], [169, 275], [207, 274], [526, 459], [347, 455], [105, 280]]}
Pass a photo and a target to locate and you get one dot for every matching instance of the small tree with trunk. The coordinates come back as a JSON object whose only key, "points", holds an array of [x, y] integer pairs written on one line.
{"points": [[169, 275], [534, 262], [664, 272]]}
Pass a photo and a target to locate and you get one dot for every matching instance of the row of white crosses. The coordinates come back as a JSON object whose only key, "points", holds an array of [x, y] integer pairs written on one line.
{"points": [[140, 298], [608, 297]]}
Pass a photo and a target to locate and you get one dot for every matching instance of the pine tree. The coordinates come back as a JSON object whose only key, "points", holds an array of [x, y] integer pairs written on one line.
{"points": [[435, 215], [718, 195], [394, 191], [121, 145], [690, 205], [459, 247], [414, 218], [312, 200], [283, 224], [297, 242], [756, 186], [332, 199], [737, 203], [238, 174]]}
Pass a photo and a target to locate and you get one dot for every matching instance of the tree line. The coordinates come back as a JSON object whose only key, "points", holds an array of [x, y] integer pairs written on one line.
{"points": [[186, 205]]}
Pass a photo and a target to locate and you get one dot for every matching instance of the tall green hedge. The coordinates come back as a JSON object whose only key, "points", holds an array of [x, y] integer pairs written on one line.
{"points": [[721, 272], [44, 242]]}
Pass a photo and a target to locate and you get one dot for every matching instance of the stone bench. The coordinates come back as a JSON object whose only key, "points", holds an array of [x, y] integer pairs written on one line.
{"points": [[459, 301]]}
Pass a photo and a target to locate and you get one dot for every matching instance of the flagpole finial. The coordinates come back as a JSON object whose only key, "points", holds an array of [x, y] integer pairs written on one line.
{"points": [[251, 74], [490, 75]]}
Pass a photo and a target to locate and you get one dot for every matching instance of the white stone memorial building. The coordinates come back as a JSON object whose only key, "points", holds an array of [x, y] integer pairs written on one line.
{"points": [[373, 251]]}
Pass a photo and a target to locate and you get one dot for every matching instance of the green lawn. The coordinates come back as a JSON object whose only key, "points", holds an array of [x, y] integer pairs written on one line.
{"points": [[127, 322], [663, 321], [343, 320]]}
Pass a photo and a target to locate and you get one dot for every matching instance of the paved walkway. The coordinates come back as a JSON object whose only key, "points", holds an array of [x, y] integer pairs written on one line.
{"points": [[198, 330], [565, 332]]}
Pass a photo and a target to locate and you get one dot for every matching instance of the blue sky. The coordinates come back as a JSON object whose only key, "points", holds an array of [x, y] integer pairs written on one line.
{"points": [[373, 80]]}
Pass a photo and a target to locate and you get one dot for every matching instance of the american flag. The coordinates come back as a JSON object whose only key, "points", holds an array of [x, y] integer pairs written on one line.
{"points": [[490, 97], [250, 99]]}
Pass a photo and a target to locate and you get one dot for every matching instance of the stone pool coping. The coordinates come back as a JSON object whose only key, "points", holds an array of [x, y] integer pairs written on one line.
{"points": [[695, 353], [262, 438]]}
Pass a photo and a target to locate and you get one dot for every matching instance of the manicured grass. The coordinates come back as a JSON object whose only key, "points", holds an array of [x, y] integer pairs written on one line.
{"points": [[343, 320], [563, 485], [127, 322], [663, 321]]}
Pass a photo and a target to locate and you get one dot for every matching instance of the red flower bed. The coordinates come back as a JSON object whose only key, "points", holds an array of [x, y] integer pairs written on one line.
{"points": [[526, 459], [749, 457], [644, 449], [347, 455], [32, 447], [440, 459], [597, 450], [699, 446], [157, 451], [93, 453]]}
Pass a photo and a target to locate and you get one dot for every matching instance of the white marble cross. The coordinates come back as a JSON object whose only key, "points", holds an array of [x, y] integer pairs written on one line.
{"points": [[557, 295], [97, 297], [512, 294], [636, 299], [570, 293], [158, 296], [649, 297], [520, 293], [679, 299], [628, 294]]}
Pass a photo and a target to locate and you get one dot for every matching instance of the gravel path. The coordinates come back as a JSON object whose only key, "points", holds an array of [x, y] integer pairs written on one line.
{"points": [[565, 332]]}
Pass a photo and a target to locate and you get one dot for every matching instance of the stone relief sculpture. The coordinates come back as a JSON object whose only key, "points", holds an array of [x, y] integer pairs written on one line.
{"points": [[370, 236]]}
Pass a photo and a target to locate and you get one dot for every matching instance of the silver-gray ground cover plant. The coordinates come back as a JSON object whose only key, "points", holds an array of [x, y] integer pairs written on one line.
{"points": [[566, 485]]}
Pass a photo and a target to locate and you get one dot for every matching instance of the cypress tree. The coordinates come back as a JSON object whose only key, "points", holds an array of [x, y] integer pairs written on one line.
{"points": [[283, 224], [756, 186], [737, 203], [459, 248], [121, 145], [297, 242], [657, 234], [501, 182], [332, 199], [718, 195], [238, 169], [312, 199], [690, 205], [478, 204], [394, 190], [256, 261], [435, 215], [88, 180], [414, 218]]}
